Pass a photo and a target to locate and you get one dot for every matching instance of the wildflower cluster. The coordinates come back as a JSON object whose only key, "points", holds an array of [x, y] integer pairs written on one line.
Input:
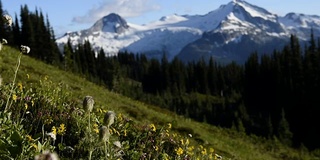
{"points": [[40, 120]]}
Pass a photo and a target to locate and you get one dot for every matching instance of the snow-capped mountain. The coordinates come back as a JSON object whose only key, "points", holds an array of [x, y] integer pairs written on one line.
{"points": [[231, 32]]}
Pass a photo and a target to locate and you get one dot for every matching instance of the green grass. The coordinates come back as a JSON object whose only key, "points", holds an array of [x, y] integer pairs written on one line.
{"points": [[228, 143]]}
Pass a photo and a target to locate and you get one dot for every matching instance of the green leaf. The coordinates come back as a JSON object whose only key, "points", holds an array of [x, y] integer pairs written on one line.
{"points": [[16, 138]]}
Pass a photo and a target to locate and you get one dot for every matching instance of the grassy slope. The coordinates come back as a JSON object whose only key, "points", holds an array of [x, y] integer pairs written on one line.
{"points": [[225, 141]]}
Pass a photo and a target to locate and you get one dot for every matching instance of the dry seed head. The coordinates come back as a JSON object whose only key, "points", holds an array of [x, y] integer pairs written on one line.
{"points": [[109, 118], [7, 20], [88, 103], [24, 49], [104, 133], [46, 155]]}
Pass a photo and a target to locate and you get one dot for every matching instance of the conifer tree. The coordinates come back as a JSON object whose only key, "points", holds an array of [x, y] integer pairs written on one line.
{"points": [[27, 30], [285, 135], [16, 32], [3, 26], [68, 58]]}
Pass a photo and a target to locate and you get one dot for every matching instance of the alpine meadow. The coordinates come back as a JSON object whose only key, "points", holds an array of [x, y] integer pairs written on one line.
{"points": [[77, 101]]}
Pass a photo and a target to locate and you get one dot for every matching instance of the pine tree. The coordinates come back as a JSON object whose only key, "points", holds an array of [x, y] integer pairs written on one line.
{"points": [[16, 32], [27, 30], [285, 135], [270, 128], [68, 58], [212, 77], [312, 47]]}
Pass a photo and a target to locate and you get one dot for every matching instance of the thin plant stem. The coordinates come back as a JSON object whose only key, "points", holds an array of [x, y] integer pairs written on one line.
{"points": [[90, 154], [89, 130], [13, 82], [42, 133], [106, 150], [89, 124]]}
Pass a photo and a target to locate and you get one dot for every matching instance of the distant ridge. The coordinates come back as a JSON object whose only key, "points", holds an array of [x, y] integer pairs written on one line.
{"points": [[231, 32]]}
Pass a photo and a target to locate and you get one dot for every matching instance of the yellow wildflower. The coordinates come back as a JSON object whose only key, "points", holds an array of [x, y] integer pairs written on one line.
{"points": [[48, 120], [182, 142], [62, 129], [156, 148], [20, 86], [187, 142], [14, 97], [169, 125], [54, 130], [190, 150], [179, 151], [204, 152], [153, 127], [29, 138], [95, 128], [165, 156], [34, 146], [26, 106], [125, 132], [32, 103], [120, 118], [211, 150], [115, 131]]}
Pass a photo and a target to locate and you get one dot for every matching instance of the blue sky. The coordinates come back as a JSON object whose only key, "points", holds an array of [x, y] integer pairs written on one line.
{"points": [[73, 15]]}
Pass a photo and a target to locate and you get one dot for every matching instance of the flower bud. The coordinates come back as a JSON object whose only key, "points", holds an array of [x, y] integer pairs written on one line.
{"points": [[88, 103], [104, 133], [109, 118]]}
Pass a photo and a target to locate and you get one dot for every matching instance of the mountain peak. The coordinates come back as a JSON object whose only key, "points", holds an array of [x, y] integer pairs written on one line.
{"points": [[220, 33], [237, 1], [110, 23]]}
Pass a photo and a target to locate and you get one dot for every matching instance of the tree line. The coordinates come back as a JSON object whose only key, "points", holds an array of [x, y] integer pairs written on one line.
{"points": [[271, 95], [34, 30]]}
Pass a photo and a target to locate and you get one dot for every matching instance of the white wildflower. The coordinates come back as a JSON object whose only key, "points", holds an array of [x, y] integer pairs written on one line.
{"points": [[24, 49], [118, 144], [4, 41], [52, 135], [7, 20]]}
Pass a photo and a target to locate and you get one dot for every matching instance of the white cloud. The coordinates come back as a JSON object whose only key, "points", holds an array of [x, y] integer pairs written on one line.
{"points": [[125, 8]]}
